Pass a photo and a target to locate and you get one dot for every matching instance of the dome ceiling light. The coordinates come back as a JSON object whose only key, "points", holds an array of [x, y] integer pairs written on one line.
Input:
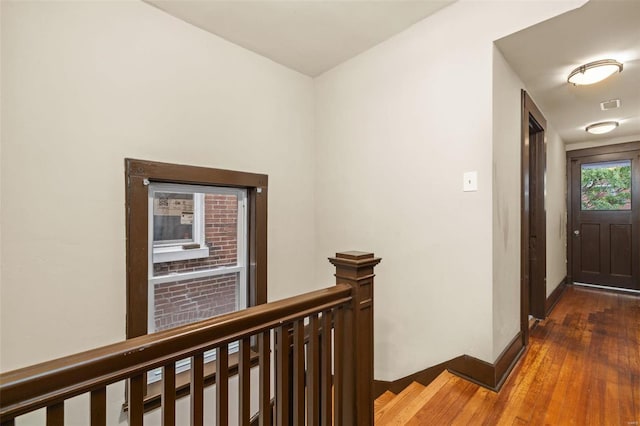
{"points": [[594, 72], [602, 127]]}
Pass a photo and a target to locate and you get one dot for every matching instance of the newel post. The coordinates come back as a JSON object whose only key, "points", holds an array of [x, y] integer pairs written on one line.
{"points": [[356, 269]]}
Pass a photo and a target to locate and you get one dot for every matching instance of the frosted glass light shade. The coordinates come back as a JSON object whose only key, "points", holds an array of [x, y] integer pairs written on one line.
{"points": [[601, 128], [594, 72]]}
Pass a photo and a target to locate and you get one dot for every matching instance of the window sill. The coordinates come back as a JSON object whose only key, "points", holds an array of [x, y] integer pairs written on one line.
{"points": [[170, 254], [153, 398]]}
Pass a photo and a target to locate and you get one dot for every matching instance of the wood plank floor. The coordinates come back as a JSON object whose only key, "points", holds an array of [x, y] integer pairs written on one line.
{"points": [[582, 367]]}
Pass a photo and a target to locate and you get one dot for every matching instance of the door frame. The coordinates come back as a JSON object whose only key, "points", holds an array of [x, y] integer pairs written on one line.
{"points": [[530, 113], [574, 155]]}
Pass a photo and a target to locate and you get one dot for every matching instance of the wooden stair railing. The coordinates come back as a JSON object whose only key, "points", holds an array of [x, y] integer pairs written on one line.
{"points": [[306, 371]]}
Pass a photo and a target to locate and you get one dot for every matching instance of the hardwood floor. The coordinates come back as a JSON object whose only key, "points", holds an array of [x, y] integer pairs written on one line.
{"points": [[582, 367]]}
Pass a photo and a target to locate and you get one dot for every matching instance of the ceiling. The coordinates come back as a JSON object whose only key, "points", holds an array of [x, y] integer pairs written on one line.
{"points": [[544, 55], [313, 36], [310, 36]]}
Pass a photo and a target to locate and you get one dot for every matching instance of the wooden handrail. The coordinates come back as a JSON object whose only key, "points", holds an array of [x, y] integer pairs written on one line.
{"points": [[41, 385], [321, 374]]}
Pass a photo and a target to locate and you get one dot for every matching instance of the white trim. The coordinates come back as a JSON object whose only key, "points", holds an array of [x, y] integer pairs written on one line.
{"points": [[604, 287], [171, 253], [221, 270], [242, 253], [198, 221], [181, 188]]}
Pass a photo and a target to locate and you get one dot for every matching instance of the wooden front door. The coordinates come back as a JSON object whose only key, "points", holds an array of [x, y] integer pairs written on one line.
{"points": [[604, 231]]}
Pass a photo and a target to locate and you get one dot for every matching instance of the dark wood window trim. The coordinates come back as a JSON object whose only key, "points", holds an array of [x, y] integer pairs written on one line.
{"points": [[138, 174]]}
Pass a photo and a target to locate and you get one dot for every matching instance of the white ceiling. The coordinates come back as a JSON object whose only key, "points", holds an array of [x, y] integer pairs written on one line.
{"points": [[311, 36], [544, 55]]}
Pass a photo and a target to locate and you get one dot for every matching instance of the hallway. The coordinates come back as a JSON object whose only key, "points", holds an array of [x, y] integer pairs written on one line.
{"points": [[582, 367]]}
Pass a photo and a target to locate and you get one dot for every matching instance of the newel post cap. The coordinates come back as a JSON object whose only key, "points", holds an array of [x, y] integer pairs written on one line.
{"points": [[356, 265], [355, 258]]}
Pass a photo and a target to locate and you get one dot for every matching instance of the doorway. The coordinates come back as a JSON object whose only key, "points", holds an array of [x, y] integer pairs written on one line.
{"points": [[603, 199], [533, 289]]}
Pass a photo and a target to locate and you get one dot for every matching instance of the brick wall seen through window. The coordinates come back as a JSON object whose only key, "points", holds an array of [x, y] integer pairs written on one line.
{"points": [[184, 301]]}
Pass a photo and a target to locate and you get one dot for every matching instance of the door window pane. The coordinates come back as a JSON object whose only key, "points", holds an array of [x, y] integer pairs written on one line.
{"points": [[606, 185]]}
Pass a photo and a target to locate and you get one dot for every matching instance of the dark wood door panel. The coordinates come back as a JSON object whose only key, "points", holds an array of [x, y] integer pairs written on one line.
{"points": [[590, 258], [621, 250]]}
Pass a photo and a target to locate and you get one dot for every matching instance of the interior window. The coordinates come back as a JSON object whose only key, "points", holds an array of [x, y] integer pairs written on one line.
{"points": [[196, 246]]}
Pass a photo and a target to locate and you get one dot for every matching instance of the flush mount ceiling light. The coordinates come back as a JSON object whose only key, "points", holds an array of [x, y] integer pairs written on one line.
{"points": [[602, 127], [594, 72]]}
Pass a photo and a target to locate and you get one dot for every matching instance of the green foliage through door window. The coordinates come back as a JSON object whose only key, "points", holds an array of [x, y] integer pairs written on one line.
{"points": [[606, 186]]}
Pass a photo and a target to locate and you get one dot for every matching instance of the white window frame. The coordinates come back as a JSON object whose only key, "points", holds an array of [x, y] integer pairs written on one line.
{"points": [[159, 252], [167, 252], [241, 244]]}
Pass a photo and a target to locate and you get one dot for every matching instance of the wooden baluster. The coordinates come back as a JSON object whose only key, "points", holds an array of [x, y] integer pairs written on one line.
{"points": [[264, 403], [99, 407], [313, 373], [197, 390], [283, 395], [338, 374], [55, 414], [356, 269], [244, 382], [169, 394], [222, 385], [325, 370], [136, 399], [298, 373]]}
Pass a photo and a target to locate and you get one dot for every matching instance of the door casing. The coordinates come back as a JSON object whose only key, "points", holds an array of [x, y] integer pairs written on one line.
{"points": [[533, 143]]}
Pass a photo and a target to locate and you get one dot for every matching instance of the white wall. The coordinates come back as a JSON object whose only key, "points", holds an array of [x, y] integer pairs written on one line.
{"points": [[396, 128], [507, 107], [556, 209], [506, 182], [86, 84]]}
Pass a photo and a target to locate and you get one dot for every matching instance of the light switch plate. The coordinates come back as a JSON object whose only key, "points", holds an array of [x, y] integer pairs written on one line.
{"points": [[470, 181]]}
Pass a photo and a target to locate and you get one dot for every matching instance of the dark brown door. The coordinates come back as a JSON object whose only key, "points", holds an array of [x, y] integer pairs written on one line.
{"points": [[533, 223], [604, 227], [537, 223]]}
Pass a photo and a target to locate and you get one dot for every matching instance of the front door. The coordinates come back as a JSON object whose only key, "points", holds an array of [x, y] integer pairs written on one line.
{"points": [[604, 227]]}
